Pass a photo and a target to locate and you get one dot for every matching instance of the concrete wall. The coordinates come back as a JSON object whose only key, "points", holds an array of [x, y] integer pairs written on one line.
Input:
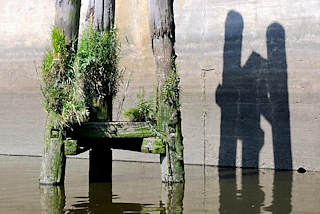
{"points": [[249, 77]]}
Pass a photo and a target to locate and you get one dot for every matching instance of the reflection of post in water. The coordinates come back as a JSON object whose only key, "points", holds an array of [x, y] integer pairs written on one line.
{"points": [[52, 199], [172, 195], [100, 197], [100, 201]]}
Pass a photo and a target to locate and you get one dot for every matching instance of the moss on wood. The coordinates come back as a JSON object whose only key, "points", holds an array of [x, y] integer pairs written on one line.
{"points": [[153, 145], [53, 163], [115, 130], [70, 147]]}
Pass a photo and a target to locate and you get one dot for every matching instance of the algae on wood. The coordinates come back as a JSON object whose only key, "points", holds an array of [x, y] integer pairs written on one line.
{"points": [[120, 135], [54, 159], [70, 147], [162, 31], [115, 130], [153, 145]]}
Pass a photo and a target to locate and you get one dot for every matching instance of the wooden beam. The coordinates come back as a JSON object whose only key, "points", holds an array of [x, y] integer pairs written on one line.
{"points": [[115, 130], [134, 136]]}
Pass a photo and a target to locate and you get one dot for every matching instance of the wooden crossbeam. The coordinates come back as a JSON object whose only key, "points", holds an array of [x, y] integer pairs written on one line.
{"points": [[115, 130], [134, 136]]}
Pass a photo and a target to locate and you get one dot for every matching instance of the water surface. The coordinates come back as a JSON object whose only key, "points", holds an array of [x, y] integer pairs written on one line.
{"points": [[136, 188]]}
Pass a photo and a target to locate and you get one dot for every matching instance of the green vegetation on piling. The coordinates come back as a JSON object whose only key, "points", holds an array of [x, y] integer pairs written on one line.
{"points": [[160, 112], [97, 61], [74, 82], [61, 84], [144, 111]]}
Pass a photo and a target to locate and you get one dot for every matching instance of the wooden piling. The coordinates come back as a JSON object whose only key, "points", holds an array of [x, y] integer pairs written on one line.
{"points": [[162, 31], [101, 13], [54, 159]]}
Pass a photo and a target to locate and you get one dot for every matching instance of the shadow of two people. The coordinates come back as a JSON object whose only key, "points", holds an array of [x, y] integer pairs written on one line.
{"points": [[258, 88]]}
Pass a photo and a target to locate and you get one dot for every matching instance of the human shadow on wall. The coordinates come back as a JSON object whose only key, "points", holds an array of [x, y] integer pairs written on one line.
{"points": [[258, 88]]}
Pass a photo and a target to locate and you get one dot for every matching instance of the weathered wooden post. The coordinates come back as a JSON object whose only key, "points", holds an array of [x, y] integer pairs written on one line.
{"points": [[101, 13], [162, 31], [53, 160]]}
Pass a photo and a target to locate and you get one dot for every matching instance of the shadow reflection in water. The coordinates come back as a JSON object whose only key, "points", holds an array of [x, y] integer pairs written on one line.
{"points": [[250, 197], [227, 190]]}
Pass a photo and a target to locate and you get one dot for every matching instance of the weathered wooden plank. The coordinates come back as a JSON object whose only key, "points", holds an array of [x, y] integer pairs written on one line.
{"points": [[115, 130]]}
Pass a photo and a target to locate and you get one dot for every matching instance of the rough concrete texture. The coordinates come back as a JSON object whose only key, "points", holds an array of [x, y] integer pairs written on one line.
{"points": [[259, 95]]}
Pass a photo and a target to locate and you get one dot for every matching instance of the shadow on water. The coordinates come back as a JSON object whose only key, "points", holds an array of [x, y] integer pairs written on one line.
{"points": [[53, 200], [258, 88], [236, 190], [249, 197]]}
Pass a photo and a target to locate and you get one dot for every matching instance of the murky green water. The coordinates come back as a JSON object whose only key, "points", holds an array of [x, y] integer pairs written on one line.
{"points": [[136, 188]]}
